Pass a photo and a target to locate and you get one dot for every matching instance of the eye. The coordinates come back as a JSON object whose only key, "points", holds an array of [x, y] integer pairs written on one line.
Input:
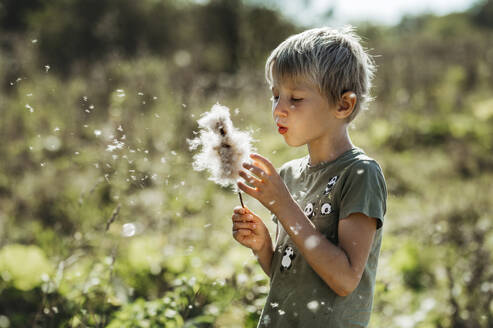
{"points": [[296, 99], [274, 98]]}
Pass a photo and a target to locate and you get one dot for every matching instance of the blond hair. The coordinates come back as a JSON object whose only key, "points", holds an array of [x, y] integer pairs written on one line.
{"points": [[332, 59]]}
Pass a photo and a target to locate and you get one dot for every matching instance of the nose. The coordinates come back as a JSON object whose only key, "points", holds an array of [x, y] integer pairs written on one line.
{"points": [[279, 109]]}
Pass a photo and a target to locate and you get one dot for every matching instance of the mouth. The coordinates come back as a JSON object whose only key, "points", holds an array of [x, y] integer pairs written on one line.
{"points": [[282, 129]]}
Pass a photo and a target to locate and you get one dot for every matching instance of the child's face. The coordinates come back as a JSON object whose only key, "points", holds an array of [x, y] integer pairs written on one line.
{"points": [[308, 116]]}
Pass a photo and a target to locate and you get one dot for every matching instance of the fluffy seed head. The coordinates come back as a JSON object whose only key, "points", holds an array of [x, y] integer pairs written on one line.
{"points": [[224, 148]]}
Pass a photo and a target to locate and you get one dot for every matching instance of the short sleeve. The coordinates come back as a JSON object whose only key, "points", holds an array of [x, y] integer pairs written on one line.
{"points": [[364, 191]]}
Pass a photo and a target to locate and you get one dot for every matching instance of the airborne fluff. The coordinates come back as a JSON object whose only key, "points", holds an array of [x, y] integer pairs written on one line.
{"points": [[224, 148]]}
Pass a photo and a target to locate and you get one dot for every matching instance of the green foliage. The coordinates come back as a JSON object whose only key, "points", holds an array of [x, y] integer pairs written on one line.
{"points": [[217, 36], [25, 267], [408, 260], [189, 304]]}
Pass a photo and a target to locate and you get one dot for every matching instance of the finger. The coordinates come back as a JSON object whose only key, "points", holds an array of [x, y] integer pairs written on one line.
{"points": [[255, 170], [241, 210], [244, 225], [265, 162], [250, 179], [243, 218], [249, 190], [241, 233], [244, 232]]}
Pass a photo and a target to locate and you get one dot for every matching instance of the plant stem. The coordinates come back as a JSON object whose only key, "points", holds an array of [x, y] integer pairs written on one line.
{"points": [[241, 199]]}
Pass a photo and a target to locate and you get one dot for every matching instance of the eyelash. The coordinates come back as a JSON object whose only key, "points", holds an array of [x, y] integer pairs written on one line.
{"points": [[292, 99]]}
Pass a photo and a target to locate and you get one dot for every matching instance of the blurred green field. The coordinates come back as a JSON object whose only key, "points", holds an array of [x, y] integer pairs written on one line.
{"points": [[103, 221]]}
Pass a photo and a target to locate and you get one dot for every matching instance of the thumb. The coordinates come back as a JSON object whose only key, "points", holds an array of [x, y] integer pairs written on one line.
{"points": [[242, 210], [245, 210]]}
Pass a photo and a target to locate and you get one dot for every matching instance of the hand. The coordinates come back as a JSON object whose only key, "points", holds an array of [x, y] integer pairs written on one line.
{"points": [[269, 189], [249, 230]]}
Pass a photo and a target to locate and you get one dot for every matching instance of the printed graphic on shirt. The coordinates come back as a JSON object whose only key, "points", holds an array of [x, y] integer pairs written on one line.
{"points": [[309, 210], [331, 184], [326, 209], [287, 258]]}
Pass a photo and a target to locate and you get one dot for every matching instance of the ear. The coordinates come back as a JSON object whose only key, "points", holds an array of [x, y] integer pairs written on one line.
{"points": [[346, 104]]}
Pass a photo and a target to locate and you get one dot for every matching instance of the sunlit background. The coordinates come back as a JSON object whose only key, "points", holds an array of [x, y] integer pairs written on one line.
{"points": [[103, 221]]}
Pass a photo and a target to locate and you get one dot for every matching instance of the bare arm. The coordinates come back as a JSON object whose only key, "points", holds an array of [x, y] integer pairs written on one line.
{"points": [[264, 258], [340, 266], [250, 231]]}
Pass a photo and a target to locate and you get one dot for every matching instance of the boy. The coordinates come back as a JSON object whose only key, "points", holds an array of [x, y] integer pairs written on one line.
{"points": [[329, 206]]}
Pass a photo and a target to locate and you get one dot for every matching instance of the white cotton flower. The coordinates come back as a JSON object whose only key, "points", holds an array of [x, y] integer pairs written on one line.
{"points": [[312, 241], [116, 145], [312, 306], [224, 148]]}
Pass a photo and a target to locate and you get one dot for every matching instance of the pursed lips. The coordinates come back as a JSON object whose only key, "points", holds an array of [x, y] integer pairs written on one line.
{"points": [[282, 129]]}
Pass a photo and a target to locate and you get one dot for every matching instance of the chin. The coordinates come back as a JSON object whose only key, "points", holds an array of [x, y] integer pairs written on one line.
{"points": [[294, 144]]}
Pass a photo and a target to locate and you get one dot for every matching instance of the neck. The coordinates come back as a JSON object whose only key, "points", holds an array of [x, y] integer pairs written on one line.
{"points": [[330, 148]]}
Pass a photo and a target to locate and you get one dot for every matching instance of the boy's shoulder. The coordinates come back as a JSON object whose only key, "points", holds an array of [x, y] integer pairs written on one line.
{"points": [[362, 165], [354, 161], [362, 159], [294, 164]]}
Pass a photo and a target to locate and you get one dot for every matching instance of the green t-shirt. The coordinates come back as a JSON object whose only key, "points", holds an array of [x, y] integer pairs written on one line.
{"points": [[328, 192]]}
